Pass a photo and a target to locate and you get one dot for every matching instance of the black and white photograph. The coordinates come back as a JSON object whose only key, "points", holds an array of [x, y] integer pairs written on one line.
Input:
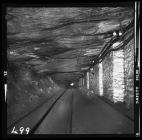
{"points": [[71, 69]]}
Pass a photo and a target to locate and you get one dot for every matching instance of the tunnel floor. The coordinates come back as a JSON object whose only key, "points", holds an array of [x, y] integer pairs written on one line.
{"points": [[76, 113]]}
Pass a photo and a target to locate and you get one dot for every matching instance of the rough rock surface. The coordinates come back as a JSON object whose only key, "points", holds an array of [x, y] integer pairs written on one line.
{"points": [[61, 39]]}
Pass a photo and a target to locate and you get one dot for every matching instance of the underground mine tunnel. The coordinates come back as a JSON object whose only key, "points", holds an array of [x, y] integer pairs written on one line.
{"points": [[70, 70]]}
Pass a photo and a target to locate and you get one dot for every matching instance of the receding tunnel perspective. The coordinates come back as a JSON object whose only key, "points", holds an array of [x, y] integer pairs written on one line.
{"points": [[70, 70]]}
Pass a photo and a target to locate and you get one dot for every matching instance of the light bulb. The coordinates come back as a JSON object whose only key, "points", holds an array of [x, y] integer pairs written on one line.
{"points": [[114, 34], [71, 84], [120, 33]]}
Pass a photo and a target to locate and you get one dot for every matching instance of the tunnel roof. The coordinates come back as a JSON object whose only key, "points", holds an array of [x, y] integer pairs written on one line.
{"points": [[62, 41]]}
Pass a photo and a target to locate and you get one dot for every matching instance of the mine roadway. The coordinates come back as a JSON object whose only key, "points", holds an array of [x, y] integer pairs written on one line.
{"points": [[60, 62], [72, 112]]}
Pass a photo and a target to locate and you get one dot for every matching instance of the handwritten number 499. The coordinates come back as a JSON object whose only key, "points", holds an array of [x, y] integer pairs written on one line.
{"points": [[22, 129]]}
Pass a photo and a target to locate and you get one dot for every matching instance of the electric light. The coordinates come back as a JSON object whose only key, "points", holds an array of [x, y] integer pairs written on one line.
{"points": [[114, 34], [71, 84], [120, 33]]}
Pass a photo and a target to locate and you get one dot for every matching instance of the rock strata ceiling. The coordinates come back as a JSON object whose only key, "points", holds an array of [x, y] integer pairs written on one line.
{"points": [[62, 42]]}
